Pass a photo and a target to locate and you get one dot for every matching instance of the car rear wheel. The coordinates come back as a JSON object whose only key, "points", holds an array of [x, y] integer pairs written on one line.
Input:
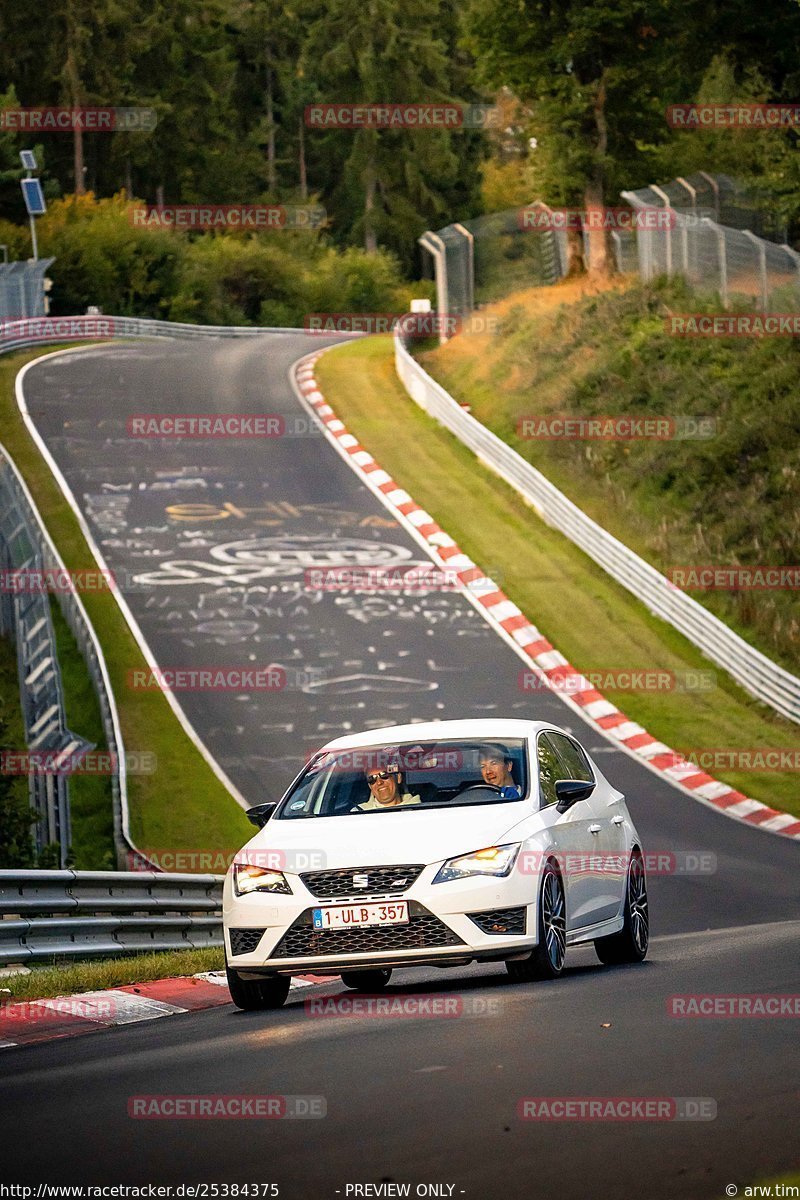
{"points": [[367, 981], [630, 944], [546, 961], [253, 994]]}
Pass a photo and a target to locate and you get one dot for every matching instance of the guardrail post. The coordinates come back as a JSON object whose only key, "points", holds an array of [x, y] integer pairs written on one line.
{"points": [[761, 250], [719, 234], [795, 258], [470, 264], [439, 255]]}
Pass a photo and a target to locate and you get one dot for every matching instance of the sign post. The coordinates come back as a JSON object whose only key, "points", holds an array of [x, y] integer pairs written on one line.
{"points": [[33, 196]]}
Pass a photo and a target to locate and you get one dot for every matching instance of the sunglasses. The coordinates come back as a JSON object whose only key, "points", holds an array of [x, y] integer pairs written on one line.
{"points": [[380, 775]]}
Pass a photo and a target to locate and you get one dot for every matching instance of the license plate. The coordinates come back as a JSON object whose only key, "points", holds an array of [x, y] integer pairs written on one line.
{"points": [[348, 915]]}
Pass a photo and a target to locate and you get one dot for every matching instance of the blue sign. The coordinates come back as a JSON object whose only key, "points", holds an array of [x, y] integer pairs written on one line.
{"points": [[34, 197]]}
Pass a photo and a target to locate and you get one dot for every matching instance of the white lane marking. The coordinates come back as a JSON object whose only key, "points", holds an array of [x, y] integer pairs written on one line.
{"points": [[744, 807], [504, 610], [779, 822], [131, 621], [110, 1007], [218, 977]]}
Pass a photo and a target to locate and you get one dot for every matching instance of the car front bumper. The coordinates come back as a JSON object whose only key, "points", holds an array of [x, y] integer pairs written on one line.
{"points": [[272, 934]]}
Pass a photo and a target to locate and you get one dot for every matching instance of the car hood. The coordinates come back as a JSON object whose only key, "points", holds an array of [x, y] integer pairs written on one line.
{"points": [[370, 839]]}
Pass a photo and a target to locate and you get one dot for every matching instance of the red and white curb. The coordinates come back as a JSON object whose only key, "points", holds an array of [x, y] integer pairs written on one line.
{"points": [[25, 1022], [504, 615]]}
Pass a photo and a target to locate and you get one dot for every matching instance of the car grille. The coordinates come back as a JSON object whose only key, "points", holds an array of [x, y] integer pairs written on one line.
{"points": [[245, 941], [423, 930], [500, 920], [329, 885]]}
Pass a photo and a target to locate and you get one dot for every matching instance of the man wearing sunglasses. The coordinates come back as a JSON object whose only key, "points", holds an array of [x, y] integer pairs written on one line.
{"points": [[386, 790]]}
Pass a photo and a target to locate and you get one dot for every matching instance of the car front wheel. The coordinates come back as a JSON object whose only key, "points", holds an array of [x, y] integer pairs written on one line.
{"points": [[630, 944], [546, 961], [254, 994], [367, 981]]}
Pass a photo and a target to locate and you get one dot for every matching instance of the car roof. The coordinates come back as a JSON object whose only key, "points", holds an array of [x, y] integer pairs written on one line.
{"points": [[482, 728]]}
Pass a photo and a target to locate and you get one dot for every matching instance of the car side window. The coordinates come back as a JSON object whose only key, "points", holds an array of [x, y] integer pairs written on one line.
{"points": [[550, 769], [574, 761]]}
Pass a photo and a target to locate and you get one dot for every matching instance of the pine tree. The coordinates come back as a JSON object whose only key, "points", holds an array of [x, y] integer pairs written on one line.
{"points": [[385, 185], [595, 76]]}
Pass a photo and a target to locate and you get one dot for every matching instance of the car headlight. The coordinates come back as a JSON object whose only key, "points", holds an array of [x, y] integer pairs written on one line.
{"points": [[493, 860], [248, 879]]}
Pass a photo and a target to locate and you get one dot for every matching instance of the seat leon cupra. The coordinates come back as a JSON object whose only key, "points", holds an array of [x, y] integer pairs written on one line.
{"points": [[435, 844]]}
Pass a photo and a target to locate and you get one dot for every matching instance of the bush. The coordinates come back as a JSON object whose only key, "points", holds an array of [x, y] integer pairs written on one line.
{"points": [[227, 280], [219, 278], [102, 259]]}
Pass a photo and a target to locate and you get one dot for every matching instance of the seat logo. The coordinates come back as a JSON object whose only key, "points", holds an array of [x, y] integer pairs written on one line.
{"points": [[361, 881]]}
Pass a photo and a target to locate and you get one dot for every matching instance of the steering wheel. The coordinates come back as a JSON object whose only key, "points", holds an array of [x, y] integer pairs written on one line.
{"points": [[484, 787]]}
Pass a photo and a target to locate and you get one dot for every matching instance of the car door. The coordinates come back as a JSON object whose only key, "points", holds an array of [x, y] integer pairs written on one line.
{"points": [[605, 843], [570, 834]]}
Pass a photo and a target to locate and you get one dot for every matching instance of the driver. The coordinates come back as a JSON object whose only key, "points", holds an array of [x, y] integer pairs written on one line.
{"points": [[386, 789], [496, 766]]}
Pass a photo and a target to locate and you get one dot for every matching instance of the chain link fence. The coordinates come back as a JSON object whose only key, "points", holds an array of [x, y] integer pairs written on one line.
{"points": [[716, 237], [22, 289], [478, 261], [26, 619], [714, 257]]}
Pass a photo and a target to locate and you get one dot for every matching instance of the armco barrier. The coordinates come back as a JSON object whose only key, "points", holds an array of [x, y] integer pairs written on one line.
{"points": [[48, 915], [41, 331], [26, 619], [756, 673]]}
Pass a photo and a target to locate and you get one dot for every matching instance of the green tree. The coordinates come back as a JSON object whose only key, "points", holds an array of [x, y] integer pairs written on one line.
{"points": [[271, 90], [185, 68], [766, 160], [593, 75], [386, 185]]}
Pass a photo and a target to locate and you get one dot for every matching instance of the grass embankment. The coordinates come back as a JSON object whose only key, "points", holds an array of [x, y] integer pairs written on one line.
{"points": [[596, 623], [12, 737], [88, 976], [182, 804], [732, 498], [90, 798]]}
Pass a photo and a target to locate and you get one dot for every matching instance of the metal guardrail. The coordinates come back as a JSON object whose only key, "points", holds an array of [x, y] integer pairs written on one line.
{"points": [[756, 673], [46, 915], [25, 616], [41, 331]]}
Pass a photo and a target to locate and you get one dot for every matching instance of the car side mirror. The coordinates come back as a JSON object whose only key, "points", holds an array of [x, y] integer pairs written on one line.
{"points": [[259, 814], [570, 791]]}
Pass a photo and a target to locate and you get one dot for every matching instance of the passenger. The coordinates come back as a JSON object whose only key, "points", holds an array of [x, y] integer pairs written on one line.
{"points": [[496, 766], [386, 790]]}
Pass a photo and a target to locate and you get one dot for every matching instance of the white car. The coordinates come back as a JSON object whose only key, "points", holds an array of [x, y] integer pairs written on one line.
{"points": [[435, 844]]}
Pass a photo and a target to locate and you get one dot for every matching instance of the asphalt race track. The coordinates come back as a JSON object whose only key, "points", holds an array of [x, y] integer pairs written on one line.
{"points": [[210, 540]]}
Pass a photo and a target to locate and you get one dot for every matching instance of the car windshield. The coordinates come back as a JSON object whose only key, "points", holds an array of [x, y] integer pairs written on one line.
{"points": [[409, 777]]}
